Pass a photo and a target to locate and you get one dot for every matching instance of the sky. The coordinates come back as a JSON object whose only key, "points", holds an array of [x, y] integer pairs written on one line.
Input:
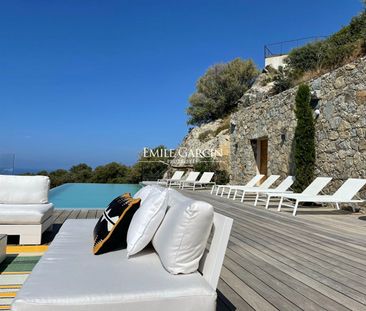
{"points": [[97, 81]]}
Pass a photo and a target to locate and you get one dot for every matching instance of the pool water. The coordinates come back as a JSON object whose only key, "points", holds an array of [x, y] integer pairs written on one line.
{"points": [[88, 195]]}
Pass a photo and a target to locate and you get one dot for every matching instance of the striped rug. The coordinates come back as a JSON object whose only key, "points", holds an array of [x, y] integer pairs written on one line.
{"points": [[14, 270]]}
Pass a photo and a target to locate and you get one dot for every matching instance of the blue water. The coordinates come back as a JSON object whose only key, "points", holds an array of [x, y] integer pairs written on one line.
{"points": [[88, 195]]}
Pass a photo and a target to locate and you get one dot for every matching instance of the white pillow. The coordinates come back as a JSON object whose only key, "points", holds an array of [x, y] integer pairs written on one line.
{"points": [[182, 236], [144, 192], [146, 221], [24, 189]]}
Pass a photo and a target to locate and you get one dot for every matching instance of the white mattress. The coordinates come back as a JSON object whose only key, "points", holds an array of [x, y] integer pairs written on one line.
{"points": [[69, 277]]}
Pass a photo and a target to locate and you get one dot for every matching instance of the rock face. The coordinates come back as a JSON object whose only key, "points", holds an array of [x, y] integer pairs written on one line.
{"points": [[211, 139], [340, 128], [260, 90]]}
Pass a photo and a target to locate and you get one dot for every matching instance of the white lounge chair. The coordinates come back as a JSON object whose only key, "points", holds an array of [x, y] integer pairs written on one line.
{"points": [[344, 194], [281, 188], [203, 181], [250, 183], [191, 177], [313, 189], [245, 189], [176, 177]]}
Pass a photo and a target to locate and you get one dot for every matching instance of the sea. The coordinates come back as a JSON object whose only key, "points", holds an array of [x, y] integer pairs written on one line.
{"points": [[19, 171]]}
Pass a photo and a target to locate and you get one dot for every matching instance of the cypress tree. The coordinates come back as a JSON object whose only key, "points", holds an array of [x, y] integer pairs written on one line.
{"points": [[304, 151]]}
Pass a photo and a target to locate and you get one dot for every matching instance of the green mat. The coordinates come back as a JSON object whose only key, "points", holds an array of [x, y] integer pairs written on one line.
{"points": [[16, 263]]}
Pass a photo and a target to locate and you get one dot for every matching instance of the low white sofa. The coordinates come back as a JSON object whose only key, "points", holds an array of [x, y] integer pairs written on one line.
{"points": [[69, 277], [24, 207]]}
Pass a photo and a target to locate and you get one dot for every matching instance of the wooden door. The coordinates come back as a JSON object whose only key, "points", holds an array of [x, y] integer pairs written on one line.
{"points": [[263, 156]]}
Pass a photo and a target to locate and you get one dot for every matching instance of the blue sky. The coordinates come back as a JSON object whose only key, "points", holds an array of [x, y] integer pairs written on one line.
{"points": [[96, 81]]}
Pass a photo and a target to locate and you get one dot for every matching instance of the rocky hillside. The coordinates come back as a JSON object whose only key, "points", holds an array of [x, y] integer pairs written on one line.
{"points": [[216, 135], [206, 139]]}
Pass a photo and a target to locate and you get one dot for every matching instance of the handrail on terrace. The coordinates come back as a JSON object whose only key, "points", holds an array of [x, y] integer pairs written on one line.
{"points": [[283, 47]]}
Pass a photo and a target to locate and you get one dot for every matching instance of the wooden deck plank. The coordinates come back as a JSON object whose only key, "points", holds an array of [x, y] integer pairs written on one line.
{"points": [[63, 216], [274, 261], [323, 276], [261, 288], [99, 213], [91, 214], [74, 214], [281, 276], [83, 213], [312, 257], [231, 298], [282, 236], [281, 287]]}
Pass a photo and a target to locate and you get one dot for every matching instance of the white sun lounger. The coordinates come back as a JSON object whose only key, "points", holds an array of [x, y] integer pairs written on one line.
{"points": [[177, 176], [313, 189], [245, 189], [344, 194], [281, 188], [203, 181], [250, 183], [191, 177]]}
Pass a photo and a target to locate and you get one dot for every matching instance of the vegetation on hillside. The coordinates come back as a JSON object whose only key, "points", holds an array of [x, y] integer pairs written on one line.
{"points": [[219, 89], [148, 168], [304, 140], [332, 52], [316, 58]]}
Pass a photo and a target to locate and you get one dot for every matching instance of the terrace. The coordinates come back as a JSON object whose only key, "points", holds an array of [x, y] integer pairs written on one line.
{"points": [[274, 261]]}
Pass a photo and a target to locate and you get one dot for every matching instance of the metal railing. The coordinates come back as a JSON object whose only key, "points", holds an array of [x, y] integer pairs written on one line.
{"points": [[284, 47]]}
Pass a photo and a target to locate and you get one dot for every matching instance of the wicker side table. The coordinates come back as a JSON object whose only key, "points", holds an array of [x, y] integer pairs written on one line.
{"points": [[3, 240]]}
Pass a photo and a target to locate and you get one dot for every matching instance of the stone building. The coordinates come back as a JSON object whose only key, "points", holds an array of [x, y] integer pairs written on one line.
{"points": [[262, 130]]}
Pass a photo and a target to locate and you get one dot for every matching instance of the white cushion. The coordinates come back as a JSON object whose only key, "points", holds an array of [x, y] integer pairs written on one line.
{"points": [[107, 282], [24, 189], [144, 192], [182, 236], [146, 221], [25, 214]]}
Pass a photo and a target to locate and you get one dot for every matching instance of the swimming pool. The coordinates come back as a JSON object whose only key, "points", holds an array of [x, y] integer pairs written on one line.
{"points": [[88, 195]]}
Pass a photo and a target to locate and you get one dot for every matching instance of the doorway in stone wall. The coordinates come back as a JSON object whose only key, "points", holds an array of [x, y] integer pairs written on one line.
{"points": [[260, 150]]}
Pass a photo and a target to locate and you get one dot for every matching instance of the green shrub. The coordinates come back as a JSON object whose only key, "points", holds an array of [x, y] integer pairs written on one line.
{"points": [[332, 52], [282, 81], [148, 168], [219, 89], [304, 140], [207, 164]]}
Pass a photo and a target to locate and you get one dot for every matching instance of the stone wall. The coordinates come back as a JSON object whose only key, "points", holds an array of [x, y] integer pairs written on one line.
{"points": [[340, 128]]}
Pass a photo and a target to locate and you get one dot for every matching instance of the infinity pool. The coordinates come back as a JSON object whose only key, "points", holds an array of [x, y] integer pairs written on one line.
{"points": [[88, 195]]}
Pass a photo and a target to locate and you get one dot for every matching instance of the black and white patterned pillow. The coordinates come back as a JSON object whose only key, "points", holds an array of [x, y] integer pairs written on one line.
{"points": [[110, 232]]}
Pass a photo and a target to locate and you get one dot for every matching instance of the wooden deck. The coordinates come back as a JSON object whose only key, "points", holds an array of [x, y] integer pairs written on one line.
{"points": [[274, 261]]}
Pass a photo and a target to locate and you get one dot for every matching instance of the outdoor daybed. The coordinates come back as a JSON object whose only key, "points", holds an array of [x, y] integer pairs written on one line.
{"points": [[69, 277], [24, 207]]}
